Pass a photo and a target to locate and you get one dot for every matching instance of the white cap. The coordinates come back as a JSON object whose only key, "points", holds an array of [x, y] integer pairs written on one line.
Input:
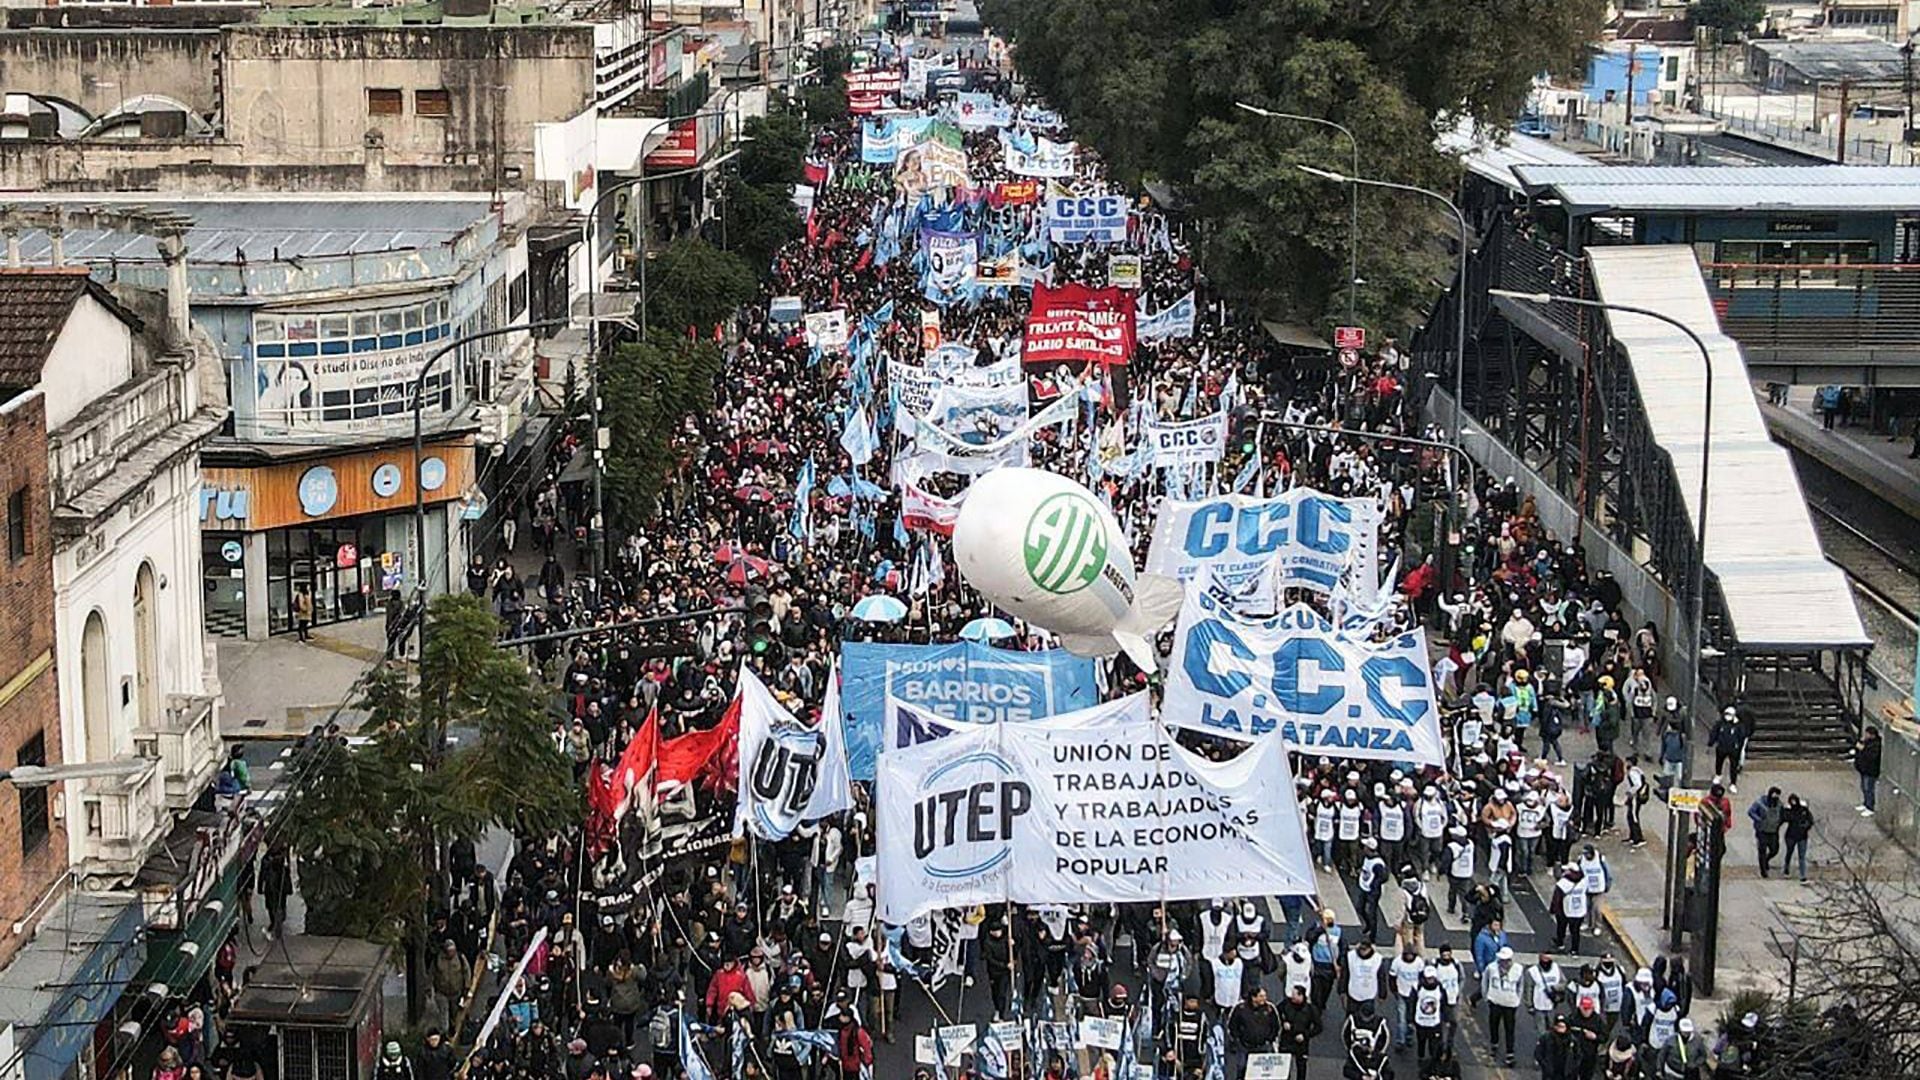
{"points": [[1686, 1025], [1505, 953]]}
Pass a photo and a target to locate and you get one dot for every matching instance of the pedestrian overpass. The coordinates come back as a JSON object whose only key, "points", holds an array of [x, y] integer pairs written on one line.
{"points": [[1599, 415]]}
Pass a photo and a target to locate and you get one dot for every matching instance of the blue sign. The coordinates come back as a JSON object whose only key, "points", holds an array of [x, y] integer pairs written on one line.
{"points": [[433, 474], [319, 490], [1075, 219], [386, 480], [964, 681]]}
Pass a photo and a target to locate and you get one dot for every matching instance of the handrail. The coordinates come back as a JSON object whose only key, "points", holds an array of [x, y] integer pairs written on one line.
{"points": [[1896, 267]]}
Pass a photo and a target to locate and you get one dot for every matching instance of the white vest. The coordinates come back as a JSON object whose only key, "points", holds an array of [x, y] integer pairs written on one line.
{"points": [[1393, 822], [1363, 975], [1503, 987], [1427, 1006], [1349, 822]]}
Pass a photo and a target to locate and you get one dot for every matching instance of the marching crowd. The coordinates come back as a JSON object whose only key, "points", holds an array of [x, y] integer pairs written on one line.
{"points": [[705, 956]]}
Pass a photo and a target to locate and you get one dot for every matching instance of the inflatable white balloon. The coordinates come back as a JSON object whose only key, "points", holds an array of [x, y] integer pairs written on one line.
{"points": [[1046, 549]]}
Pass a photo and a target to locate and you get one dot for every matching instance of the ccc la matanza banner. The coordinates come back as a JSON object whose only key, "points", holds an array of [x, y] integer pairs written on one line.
{"points": [[1322, 690], [1051, 813]]}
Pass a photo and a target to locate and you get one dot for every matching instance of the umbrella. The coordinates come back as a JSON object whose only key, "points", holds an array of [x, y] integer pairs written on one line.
{"points": [[728, 552], [879, 608], [754, 493], [989, 629], [746, 568]]}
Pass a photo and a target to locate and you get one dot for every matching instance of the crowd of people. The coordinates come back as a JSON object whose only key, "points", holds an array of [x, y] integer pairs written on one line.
{"points": [[690, 953]]}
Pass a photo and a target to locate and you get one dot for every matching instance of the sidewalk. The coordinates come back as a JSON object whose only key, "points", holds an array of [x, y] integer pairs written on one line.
{"points": [[1750, 906], [281, 687], [1868, 459]]}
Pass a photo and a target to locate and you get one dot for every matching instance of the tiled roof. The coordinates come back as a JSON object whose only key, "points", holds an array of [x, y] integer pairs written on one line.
{"points": [[34, 305]]}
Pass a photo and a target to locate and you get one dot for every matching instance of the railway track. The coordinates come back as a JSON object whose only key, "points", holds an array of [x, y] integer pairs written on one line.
{"points": [[1884, 575]]}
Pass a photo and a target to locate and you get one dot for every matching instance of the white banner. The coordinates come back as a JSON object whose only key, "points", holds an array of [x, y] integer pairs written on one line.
{"points": [[1187, 443], [827, 330], [1123, 272], [782, 764], [1074, 219], [908, 725], [1042, 814], [1172, 321], [914, 387], [921, 510], [1047, 158], [951, 258], [1301, 537], [1325, 692]]}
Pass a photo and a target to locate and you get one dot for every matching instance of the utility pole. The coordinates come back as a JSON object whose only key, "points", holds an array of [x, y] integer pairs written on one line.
{"points": [[1840, 145]]}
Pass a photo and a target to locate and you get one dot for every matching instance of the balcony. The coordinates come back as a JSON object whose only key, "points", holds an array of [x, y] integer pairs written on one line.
{"points": [[121, 818], [187, 742], [92, 445]]}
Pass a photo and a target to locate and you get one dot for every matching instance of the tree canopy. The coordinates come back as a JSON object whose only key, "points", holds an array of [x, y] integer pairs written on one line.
{"points": [[647, 390], [1727, 18], [367, 814], [693, 284], [1152, 84]]}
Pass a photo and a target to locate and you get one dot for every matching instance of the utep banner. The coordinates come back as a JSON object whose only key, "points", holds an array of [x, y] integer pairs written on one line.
{"points": [[910, 725], [1074, 324], [1325, 692], [1188, 443], [1047, 814], [1173, 321], [1074, 219], [963, 680], [1303, 538]]}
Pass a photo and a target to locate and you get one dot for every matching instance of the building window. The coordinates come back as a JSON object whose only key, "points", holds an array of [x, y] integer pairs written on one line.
{"points": [[17, 524], [432, 103], [385, 103], [35, 823]]}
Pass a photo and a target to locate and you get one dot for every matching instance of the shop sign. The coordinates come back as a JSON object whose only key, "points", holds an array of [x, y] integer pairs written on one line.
{"points": [[319, 490], [222, 503], [232, 551], [680, 149], [347, 557], [386, 480], [1350, 337]]}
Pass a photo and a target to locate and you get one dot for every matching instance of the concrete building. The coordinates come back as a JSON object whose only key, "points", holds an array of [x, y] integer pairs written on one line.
{"points": [[108, 401], [321, 314]]}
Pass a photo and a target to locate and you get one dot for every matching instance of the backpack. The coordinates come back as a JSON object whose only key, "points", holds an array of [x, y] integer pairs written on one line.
{"points": [[1419, 908]]}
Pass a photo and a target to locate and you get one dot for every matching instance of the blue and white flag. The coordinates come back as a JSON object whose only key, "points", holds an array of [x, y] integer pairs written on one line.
{"points": [[691, 1059], [990, 1057], [737, 1044], [806, 1041], [858, 439], [1247, 475], [1216, 1053], [1174, 321]]}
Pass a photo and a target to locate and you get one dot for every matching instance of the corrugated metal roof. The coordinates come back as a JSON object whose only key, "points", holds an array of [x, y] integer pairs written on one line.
{"points": [[1495, 157], [1780, 591], [1590, 188], [266, 231]]}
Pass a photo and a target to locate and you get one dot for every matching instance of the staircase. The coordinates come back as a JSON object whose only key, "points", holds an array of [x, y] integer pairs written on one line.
{"points": [[1796, 712]]}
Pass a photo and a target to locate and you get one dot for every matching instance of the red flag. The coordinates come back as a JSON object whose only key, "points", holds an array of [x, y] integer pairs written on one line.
{"points": [[602, 809], [861, 263], [634, 772], [693, 755]]}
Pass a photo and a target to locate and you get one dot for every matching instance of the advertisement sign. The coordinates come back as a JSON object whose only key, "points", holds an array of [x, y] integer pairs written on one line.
{"points": [[1075, 219], [1074, 324], [1189, 442], [1303, 538], [679, 150], [1043, 814], [1173, 321], [1350, 337], [563, 153], [1017, 192], [963, 680], [1325, 692], [349, 370]]}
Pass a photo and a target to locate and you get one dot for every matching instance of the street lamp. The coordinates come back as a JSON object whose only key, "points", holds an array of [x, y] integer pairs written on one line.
{"points": [[419, 489], [1460, 287], [29, 776], [1353, 222]]}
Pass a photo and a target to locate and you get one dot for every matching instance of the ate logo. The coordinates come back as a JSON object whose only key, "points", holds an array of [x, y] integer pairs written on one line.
{"points": [[1066, 543]]}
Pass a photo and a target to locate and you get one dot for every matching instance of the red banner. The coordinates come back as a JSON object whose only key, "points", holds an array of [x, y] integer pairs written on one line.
{"points": [[1077, 325], [680, 150], [931, 513], [1019, 192], [868, 90]]}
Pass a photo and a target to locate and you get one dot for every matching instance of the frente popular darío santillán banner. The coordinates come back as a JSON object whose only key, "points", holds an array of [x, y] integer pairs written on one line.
{"points": [[1042, 813], [1073, 324]]}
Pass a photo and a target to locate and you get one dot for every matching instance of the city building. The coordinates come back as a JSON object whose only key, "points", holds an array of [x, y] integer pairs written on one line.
{"points": [[109, 398]]}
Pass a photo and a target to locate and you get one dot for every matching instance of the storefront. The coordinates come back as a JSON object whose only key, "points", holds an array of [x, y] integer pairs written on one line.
{"points": [[338, 528]]}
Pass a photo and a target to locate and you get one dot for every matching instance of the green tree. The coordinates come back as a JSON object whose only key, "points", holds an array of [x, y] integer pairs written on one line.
{"points": [[368, 818], [647, 390], [1151, 84], [692, 283], [825, 95], [758, 220], [1727, 18]]}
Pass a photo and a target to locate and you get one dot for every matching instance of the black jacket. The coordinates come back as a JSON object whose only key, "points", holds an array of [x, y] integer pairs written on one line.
{"points": [[1298, 1025], [1253, 1027]]}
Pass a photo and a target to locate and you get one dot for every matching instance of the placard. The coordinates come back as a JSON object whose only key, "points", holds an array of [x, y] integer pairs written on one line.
{"points": [[1102, 1032], [1269, 1066], [1350, 337], [1123, 271]]}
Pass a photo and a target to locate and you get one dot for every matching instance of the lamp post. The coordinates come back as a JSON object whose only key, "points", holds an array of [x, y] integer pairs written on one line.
{"points": [[1460, 288], [1699, 582], [419, 451], [1353, 213]]}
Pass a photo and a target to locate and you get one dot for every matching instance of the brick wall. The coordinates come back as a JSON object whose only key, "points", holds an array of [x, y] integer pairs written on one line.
{"points": [[29, 701]]}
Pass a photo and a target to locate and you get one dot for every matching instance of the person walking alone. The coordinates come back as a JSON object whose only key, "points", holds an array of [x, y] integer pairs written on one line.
{"points": [[1866, 762]]}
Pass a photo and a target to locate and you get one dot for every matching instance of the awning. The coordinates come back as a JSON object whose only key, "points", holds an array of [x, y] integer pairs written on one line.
{"points": [[67, 978], [579, 468], [1294, 337], [554, 237], [179, 958]]}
